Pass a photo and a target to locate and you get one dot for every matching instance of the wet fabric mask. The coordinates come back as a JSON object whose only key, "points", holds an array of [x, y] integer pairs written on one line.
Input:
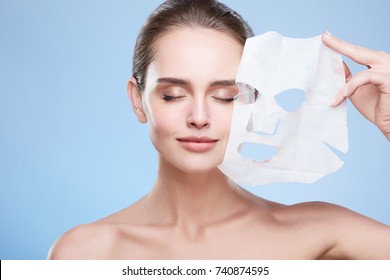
{"points": [[273, 65]]}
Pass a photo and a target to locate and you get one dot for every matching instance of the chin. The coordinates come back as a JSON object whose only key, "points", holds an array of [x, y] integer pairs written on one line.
{"points": [[192, 163], [199, 171], [197, 166]]}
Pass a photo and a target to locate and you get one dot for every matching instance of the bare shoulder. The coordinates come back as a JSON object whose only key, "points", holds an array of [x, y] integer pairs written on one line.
{"points": [[315, 210], [90, 241], [100, 239], [351, 235], [331, 216]]}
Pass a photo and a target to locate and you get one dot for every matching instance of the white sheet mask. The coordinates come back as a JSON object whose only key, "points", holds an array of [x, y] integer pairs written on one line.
{"points": [[272, 64]]}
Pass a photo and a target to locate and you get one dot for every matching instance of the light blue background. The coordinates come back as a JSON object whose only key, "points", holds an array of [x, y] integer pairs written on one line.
{"points": [[71, 150]]}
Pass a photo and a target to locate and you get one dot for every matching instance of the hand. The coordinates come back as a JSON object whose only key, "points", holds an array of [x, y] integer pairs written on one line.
{"points": [[369, 90]]}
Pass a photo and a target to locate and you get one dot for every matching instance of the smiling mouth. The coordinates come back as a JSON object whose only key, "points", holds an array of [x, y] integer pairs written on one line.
{"points": [[197, 144]]}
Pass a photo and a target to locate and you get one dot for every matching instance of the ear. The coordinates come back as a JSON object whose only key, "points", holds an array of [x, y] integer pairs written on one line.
{"points": [[136, 100]]}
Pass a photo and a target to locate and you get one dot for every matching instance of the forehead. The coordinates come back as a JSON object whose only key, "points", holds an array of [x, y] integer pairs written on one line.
{"points": [[197, 52]]}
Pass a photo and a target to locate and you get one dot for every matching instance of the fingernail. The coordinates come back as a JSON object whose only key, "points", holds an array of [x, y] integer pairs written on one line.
{"points": [[327, 34]]}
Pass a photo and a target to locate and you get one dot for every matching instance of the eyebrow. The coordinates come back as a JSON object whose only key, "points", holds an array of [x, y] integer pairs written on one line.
{"points": [[226, 83], [176, 81]]}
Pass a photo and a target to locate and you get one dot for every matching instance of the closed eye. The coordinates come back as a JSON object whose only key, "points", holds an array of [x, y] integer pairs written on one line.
{"points": [[227, 100], [225, 94], [170, 97]]}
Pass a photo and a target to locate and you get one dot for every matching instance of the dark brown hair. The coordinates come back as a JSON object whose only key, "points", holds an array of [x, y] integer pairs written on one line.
{"points": [[184, 13]]}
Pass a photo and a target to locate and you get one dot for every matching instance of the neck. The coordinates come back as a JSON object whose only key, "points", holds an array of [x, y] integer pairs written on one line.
{"points": [[193, 200]]}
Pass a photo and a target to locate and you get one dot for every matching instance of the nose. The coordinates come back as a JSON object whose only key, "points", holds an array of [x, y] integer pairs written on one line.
{"points": [[198, 115]]}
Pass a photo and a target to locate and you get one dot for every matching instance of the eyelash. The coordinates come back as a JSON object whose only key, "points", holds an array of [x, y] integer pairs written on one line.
{"points": [[227, 100], [169, 98]]}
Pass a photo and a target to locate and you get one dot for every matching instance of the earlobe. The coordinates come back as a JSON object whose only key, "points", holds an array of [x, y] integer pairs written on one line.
{"points": [[135, 97]]}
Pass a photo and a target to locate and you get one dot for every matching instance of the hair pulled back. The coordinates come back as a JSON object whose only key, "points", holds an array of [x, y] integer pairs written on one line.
{"points": [[184, 13]]}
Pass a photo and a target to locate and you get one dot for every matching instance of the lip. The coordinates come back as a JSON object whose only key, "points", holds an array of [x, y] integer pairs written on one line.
{"points": [[197, 144]]}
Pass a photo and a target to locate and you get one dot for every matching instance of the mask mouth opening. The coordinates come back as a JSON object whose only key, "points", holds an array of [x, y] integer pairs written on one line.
{"points": [[256, 152]]}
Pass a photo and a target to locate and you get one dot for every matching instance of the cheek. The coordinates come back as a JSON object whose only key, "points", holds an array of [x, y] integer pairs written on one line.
{"points": [[164, 121], [222, 118]]}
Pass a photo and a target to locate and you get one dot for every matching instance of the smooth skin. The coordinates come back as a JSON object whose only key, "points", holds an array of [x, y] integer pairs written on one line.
{"points": [[195, 212]]}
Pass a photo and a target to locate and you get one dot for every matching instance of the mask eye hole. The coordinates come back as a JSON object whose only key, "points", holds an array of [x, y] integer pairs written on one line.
{"points": [[247, 94], [291, 100]]}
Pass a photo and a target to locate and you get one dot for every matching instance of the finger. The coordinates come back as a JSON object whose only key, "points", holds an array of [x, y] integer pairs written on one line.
{"points": [[348, 74], [361, 79], [365, 78], [358, 54], [340, 97]]}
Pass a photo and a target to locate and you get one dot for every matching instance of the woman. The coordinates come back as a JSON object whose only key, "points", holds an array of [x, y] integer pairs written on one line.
{"points": [[185, 63]]}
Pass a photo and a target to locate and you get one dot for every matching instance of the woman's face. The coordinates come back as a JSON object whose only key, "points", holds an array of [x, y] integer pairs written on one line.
{"points": [[189, 94]]}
